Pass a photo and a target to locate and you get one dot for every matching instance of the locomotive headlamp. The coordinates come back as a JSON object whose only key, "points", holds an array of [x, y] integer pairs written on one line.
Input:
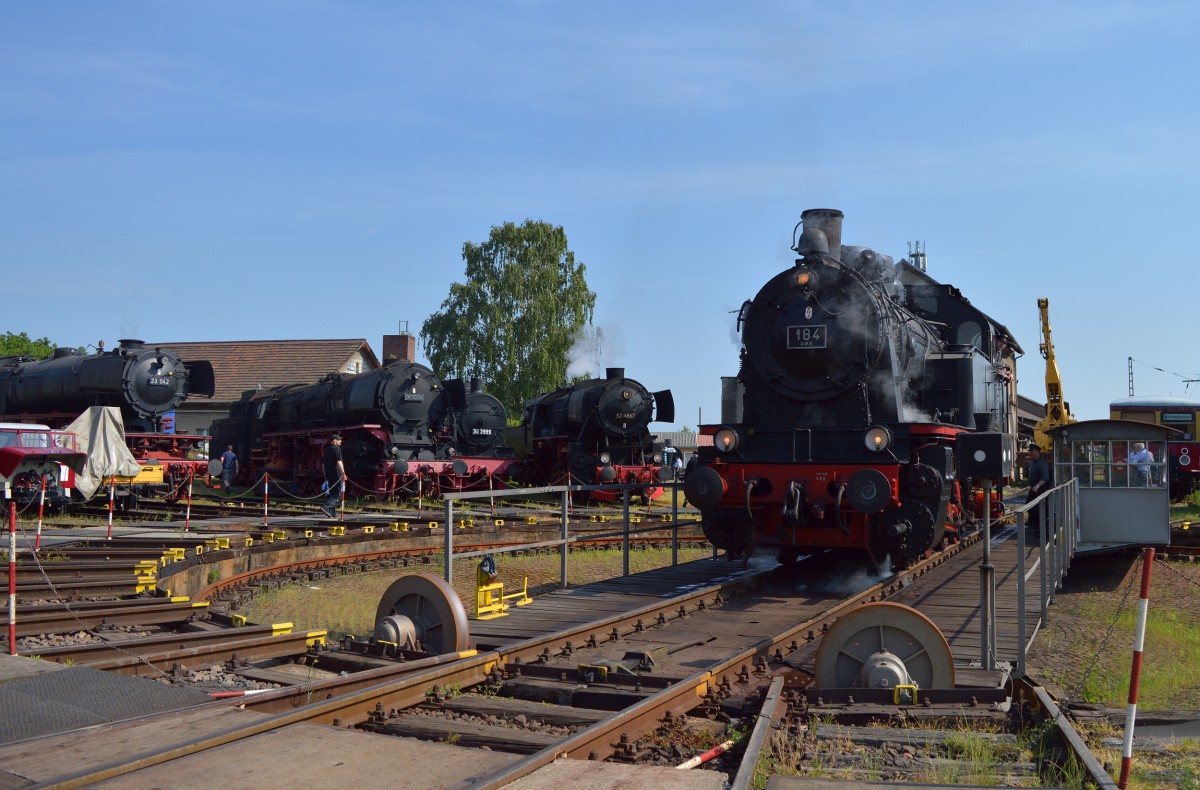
{"points": [[605, 459], [726, 440], [657, 458], [878, 439], [804, 277]]}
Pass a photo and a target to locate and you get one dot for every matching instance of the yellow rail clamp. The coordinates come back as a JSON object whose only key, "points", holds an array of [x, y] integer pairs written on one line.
{"points": [[522, 598], [602, 519], [404, 526], [338, 530], [635, 519], [177, 598], [498, 522], [601, 672], [666, 516], [394, 526], [369, 529], [145, 584], [316, 638], [530, 520], [249, 541], [145, 567], [269, 537], [239, 620], [903, 687], [199, 547], [308, 533], [199, 604], [1187, 524], [280, 628], [433, 525], [489, 601]]}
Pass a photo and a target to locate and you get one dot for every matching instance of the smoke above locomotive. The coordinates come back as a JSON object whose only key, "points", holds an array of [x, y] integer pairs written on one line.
{"points": [[144, 382], [856, 375]]}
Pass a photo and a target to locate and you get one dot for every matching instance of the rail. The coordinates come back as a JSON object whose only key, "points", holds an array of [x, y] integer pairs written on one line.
{"points": [[1058, 537]]}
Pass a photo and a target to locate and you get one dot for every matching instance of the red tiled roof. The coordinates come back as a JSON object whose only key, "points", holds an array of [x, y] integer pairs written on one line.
{"points": [[245, 364]]}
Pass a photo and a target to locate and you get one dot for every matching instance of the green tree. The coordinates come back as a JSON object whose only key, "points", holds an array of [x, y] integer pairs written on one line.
{"points": [[21, 346], [512, 323]]}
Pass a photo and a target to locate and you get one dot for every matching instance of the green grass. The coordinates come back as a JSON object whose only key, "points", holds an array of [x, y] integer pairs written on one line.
{"points": [[345, 605]]}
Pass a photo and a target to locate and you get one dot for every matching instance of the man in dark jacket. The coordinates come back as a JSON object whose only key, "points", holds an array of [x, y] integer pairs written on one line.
{"points": [[1040, 478], [335, 475]]}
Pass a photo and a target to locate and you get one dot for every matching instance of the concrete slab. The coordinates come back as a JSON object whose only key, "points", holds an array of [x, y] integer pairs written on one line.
{"points": [[615, 776], [17, 667]]}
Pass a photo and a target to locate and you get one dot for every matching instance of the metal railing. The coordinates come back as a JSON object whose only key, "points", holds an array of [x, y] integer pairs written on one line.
{"points": [[1058, 537], [565, 508]]}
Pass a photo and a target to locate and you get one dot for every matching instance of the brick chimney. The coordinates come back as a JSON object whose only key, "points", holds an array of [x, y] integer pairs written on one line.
{"points": [[403, 347]]}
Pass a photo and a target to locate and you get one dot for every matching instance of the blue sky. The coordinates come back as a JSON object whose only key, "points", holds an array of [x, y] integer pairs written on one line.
{"points": [[229, 171]]}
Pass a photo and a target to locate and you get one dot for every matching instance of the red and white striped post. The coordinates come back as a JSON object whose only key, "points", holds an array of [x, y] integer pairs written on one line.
{"points": [[37, 541], [112, 501], [12, 578], [187, 514], [266, 495], [1135, 670], [343, 507]]}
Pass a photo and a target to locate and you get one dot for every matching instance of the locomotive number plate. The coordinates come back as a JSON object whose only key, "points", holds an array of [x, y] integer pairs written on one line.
{"points": [[806, 336], [159, 381]]}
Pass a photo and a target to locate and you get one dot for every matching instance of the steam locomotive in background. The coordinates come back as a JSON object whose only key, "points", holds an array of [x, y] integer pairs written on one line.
{"points": [[404, 431], [841, 428], [145, 383], [592, 432]]}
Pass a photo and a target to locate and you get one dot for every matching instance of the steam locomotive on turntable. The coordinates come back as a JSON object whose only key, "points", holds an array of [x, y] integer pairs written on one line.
{"points": [[145, 383], [841, 429], [405, 432], [593, 432]]}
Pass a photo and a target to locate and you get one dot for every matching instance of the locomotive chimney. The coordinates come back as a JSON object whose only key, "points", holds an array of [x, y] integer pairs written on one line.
{"points": [[821, 224], [131, 344], [65, 351], [476, 384], [614, 373]]}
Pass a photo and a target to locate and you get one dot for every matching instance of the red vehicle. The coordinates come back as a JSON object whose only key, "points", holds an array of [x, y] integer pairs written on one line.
{"points": [[31, 454]]}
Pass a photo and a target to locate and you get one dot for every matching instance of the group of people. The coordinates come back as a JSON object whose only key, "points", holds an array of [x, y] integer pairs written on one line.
{"points": [[331, 460], [1041, 475]]}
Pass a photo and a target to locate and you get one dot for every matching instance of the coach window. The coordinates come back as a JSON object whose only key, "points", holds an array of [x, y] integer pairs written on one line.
{"points": [[1120, 469]]}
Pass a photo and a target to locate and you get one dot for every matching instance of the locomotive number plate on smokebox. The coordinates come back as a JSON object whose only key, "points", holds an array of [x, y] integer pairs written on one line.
{"points": [[807, 336]]}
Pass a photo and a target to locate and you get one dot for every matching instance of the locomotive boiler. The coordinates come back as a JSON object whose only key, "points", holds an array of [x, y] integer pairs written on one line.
{"points": [[144, 382], [839, 432], [592, 432]]}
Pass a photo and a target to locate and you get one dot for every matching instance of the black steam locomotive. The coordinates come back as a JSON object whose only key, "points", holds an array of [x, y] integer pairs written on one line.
{"points": [[857, 376], [593, 432], [145, 383], [404, 433]]}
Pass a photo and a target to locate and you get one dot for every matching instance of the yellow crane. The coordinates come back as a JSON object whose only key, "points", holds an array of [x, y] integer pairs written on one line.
{"points": [[1058, 411]]}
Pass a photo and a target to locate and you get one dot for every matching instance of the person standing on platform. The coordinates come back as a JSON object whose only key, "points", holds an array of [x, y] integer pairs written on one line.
{"points": [[1039, 482], [335, 475], [1141, 458]]}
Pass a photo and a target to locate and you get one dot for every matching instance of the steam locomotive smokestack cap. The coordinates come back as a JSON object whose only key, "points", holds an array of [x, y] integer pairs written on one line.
{"points": [[614, 373], [822, 233], [128, 343]]}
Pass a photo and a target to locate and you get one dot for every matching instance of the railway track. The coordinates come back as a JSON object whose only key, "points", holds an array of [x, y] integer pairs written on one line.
{"points": [[705, 671]]}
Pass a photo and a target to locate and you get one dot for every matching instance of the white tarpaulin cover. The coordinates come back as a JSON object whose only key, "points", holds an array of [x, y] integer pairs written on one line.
{"points": [[101, 433]]}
